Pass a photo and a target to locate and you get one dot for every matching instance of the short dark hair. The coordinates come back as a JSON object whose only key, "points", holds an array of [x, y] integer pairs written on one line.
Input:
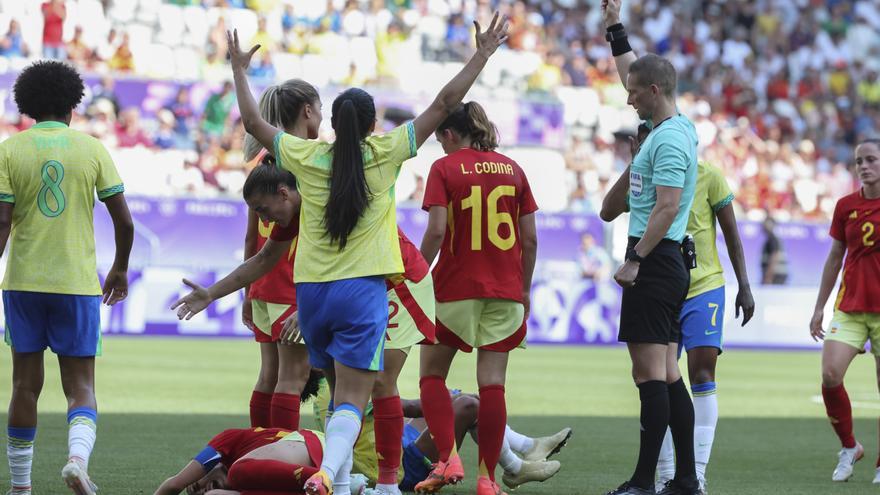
{"points": [[48, 88], [266, 177], [654, 69], [312, 386]]}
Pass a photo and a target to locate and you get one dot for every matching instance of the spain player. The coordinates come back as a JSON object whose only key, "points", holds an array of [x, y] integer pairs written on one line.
{"points": [[49, 176], [284, 365], [855, 233], [482, 281], [348, 244]]}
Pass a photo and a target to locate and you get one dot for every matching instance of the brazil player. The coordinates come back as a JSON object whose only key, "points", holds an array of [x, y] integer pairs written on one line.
{"points": [[482, 281], [284, 365], [49, 176], [348, 244], [855, 235]]}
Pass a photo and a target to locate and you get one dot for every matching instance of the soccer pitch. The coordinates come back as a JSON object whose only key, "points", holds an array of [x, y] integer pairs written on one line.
{"points": [[161, 400]]}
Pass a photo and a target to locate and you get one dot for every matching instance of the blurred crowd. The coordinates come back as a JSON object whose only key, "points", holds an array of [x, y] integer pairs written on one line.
{"points": [[780, 90]]}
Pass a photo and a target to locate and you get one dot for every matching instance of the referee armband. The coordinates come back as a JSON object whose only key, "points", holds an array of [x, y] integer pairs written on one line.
{"points": [[208, 458]]}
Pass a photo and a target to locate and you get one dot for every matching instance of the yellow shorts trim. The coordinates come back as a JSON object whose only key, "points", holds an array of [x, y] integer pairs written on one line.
{"points": [[855, 329], [403, 332], [481, 322], [265, 314]]}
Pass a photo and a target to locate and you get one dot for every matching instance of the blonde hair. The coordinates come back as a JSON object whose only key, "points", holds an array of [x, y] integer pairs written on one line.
{"points": [[280, 106]]}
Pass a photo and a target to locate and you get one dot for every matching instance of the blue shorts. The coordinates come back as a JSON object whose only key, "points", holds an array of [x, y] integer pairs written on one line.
{"points": [[68, 324], [344, 321], [702, 320], [416, 467]]}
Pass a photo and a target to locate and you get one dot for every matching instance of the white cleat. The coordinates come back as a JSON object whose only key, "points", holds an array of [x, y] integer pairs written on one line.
{"points": [[704, 486], [531, 471], [662, 479], [77, 479], [876, 477], [358, 484], [846, 460], [545, 447]]}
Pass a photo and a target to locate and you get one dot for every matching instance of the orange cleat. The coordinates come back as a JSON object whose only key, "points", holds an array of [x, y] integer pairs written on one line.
{"points": [[444, 473], [485, 486], [319, 484]]}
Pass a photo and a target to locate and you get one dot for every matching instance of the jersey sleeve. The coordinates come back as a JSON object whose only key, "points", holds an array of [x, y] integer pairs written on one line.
{"points": [[527, 203], [719, 192], [397, 146], [838, 222], [283, 234], [435, 188], [109, 183], [7, 195], [670, 161]]}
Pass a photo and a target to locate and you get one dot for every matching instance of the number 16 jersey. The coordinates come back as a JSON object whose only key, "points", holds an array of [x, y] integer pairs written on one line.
{"points": [[51, 174], [485, 194]]}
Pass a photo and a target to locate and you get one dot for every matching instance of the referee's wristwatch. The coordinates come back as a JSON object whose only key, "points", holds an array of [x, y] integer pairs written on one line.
{"points": [[632, 255]]}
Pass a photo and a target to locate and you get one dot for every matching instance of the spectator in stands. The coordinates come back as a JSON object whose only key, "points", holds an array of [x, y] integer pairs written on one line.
{"points": [[262, 67], [107, 91], [12, 44], [458, 38], [165, 136], [129, 131], [263, 38], [77, 51], [123, 58], [182, 110], [594, 261], [54, 13], [774, 263], [217, 110]]}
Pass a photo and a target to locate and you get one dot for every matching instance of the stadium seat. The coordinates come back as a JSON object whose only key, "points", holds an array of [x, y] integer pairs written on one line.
{"points": [[581, 105], [154, 60], [287, 65], [187, 62], [316, 67], [123, 11], [195, 19], [545, 169], [171, 25], [245, 21], [139, 34], [363, 54], [148, 11]]}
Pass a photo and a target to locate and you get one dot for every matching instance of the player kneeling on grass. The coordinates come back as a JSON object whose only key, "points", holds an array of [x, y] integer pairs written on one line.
{"points": [[854, 232], [523, 459]]}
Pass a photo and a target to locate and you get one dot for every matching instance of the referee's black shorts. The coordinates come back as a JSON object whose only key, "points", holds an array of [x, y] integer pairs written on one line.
{"points": [[651, 309]]}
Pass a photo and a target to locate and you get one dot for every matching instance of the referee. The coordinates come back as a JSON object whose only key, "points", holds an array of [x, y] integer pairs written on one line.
{"points": [[658, 188]]}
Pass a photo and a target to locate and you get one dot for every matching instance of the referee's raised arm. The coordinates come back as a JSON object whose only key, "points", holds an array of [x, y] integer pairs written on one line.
{"points": [[616, 35]]}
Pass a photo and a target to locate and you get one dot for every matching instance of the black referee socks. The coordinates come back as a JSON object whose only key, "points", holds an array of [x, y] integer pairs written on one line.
{"points": [[654, 418], [681, 423]]}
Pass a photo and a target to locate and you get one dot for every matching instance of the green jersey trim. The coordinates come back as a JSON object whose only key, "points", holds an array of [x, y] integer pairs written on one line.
{"points": [[723, 203], [7, 198], [111, 191], [49, 124]]}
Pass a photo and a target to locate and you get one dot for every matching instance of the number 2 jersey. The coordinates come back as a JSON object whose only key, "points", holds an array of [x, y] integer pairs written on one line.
{"points": [[485, 194], [51, 174], [856, 223]]}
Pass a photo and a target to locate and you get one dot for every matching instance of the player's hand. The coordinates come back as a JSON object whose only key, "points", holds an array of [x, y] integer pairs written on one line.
{"points": [[247, 314], [115, 287], [626, 274], [494, 36], [746, 302], [611, 12], [192, 303], [816, 330], [290, 330], [237, 58]]}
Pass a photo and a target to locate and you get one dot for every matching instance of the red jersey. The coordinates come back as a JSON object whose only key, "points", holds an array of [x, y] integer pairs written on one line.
{"points": [[235, 443], [277, 285], [53, 25], [856, 223], [485, 194]]}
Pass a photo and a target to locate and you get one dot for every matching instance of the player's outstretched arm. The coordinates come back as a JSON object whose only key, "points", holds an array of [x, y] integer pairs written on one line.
{"points": [[251, 119], [246, 273], [829, 278], [611, 17], [250, 249], [744, 299], [190, 474], [528, 237], [451, 95], [434, 234], [116, 284]]}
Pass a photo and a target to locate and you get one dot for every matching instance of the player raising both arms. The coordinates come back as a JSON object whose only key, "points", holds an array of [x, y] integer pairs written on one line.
{"points": [[482, 281], [855, 232], [49, 175], [284, 365], [348, 243]]}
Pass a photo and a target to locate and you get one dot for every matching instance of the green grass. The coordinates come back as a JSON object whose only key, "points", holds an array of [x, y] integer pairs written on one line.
{"points": [[162, 399]]}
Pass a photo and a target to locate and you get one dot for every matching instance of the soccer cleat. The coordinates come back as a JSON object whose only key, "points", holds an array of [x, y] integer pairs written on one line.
{"points": [[704, 486], [531, 471], [846, 460], [545, 447], [359, 484], [485, 486], [444, 473], [673, 487], [318, 484], [627, 489], [876, 476], [77, 479], [19, 491], [378, 491], [662, 480]]}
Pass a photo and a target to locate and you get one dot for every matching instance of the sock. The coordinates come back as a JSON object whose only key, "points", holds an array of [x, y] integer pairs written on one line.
{"points": [[284, 411], [681, 424], [342, 482], [261, 407], [81, 433], [20, 454], [268, 474], [666, 462], [388, 418], [705, 419], [342, 432], [490, 428], [518, 442], [510, 462], [839, 411], [437, 407], [654, 418]]}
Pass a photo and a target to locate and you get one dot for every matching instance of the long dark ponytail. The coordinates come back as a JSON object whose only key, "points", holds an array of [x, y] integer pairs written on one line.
{"points": [[352, 119]]}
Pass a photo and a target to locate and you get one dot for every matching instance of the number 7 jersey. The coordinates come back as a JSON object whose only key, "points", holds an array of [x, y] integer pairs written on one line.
{"points": [[51, 174], [856, 223], [485, 194]]}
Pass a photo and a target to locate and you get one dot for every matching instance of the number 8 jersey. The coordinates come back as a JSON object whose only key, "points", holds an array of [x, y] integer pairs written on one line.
{"points": [[485, 194], [51, 174], [856, 223]]}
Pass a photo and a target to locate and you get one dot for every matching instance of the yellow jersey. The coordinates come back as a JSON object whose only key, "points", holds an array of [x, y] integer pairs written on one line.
{"points": [[712, 194]]}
